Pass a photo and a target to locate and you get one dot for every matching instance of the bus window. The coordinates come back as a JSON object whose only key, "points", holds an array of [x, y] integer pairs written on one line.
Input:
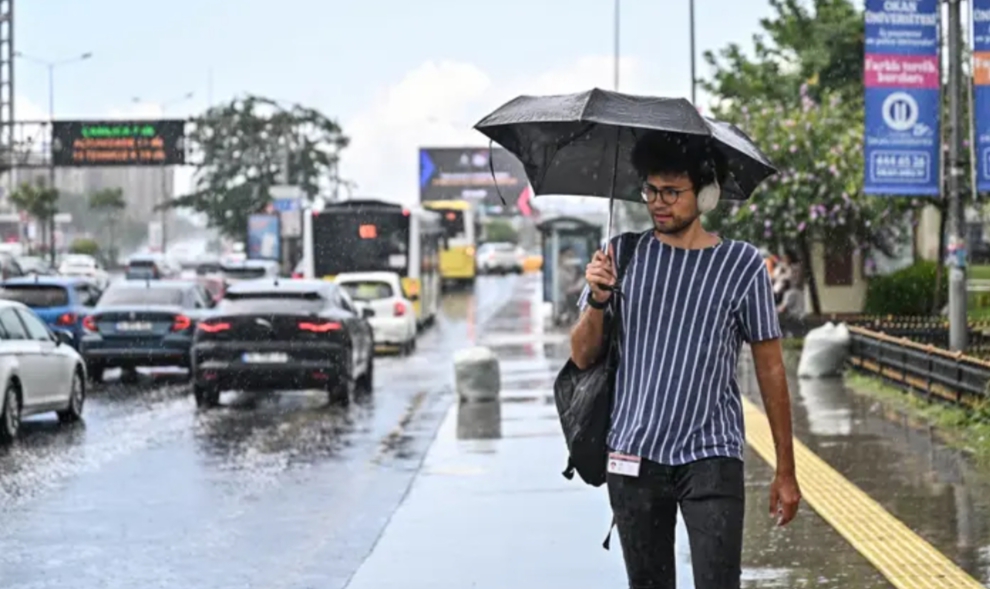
{"points": [[360, 241], [453, 223]]}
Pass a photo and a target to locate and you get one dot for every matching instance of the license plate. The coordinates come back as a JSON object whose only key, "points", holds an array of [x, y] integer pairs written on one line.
{"points": [[134, 326], [270, 358]]}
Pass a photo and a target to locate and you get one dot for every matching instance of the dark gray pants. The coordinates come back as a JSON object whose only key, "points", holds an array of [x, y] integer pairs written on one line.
{"points": [[711, 495]]}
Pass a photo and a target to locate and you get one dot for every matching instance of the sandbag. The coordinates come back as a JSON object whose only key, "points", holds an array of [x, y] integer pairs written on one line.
{"points": [[476, 374], [825, 351]]}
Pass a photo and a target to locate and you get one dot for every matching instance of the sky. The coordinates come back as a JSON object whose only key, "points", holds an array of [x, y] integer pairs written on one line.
{"points": [[397, 75]]}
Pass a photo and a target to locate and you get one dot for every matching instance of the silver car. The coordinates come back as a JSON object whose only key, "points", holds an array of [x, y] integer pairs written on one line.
{"points": [[500, 258], [39, 371]]}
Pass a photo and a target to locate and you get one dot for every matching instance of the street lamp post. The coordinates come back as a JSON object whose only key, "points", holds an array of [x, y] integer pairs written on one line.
{"points": [[164, 211], [51, 65], [615, 52]]}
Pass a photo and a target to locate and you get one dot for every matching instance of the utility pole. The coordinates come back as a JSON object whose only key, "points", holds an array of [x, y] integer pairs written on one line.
{"points": [[51, 65], [957, 244], [616, 48], [694, 77]]}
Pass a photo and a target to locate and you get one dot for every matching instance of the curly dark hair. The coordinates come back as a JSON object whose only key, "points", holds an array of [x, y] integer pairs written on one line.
{"points": [[663, 153]]}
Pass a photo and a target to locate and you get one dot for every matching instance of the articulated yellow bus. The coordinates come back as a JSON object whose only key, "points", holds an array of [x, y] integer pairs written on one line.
{"points": [[378, 236], [457, 261]]}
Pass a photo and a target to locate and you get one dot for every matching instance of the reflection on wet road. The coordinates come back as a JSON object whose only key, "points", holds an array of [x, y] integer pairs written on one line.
{"points": [[929, 487], [268, 491]]}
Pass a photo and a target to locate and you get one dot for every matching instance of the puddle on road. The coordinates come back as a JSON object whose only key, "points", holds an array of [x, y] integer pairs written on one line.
{"points": [[929, 486]]}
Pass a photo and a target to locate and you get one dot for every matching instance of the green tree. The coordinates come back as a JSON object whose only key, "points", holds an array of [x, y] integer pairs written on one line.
{"points": [[818, 194], [85, 246], [40, 202], [244, 146], [500, 230], [819, 42], [110, 204]]}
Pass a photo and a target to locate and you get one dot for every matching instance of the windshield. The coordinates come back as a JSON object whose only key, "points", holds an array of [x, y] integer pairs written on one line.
{"points": [[245, 273], [36, 296], [270, 302], [140, 295], [369, 290], [452, 223]]}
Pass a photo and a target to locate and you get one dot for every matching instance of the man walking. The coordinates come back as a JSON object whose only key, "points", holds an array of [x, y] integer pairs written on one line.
{"points": [[689, 301]]}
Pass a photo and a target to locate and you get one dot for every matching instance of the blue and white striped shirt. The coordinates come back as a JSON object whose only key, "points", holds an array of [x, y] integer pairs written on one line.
{"points": [[685, 315]]}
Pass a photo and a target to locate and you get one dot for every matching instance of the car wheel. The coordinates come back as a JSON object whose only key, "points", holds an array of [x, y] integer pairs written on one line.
{"points": [[77, 398], [10, 415], [129, 375], [95, 372], [207, 397], [340, 391], [367, 380]]}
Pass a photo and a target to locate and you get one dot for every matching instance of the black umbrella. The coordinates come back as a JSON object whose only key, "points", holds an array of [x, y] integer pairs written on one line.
{"points": [[581, 144]]}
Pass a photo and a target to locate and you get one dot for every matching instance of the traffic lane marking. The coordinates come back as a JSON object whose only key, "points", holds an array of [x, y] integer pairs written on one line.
{"points": [[900, 555]]}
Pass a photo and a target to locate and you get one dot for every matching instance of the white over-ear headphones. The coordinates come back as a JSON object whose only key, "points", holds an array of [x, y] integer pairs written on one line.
{"points": [[708, 197]]}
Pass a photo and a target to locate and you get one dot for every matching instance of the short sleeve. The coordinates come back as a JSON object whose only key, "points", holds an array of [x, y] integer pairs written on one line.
{"points": [[758, 312]]}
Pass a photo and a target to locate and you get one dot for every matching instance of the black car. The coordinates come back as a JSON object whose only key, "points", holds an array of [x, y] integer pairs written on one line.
{"points": [[289, 334], [143, 323]]}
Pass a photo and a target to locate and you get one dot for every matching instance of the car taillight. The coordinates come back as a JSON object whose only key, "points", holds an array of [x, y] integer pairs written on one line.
{"points": [[213, 327], [400, 309], [319, 327], [89, 324], [66, 319], [297, 275], [181, 323]]}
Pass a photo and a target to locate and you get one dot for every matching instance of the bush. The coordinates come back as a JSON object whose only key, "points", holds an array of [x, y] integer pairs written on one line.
{"points": [[88, 247], [910, 291], [502, 231]]}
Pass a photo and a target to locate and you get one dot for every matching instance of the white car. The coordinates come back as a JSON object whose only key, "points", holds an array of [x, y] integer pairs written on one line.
{"points": [[85, 266], [394, 319], [500, 258], [39, 371]]}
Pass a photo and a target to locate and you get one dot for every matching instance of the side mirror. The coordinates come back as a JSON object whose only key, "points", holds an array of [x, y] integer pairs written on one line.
{"points": [[63, 337], [367, 313]]}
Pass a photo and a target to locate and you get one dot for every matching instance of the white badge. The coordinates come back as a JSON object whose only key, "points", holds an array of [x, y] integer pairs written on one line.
{"points": [[623, 464]]}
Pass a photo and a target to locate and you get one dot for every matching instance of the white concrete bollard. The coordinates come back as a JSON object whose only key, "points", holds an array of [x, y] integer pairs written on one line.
{"points": [[476, 375]]}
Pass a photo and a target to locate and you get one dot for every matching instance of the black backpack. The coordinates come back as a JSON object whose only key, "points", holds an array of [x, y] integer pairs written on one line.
{"points": [[584, 397]]}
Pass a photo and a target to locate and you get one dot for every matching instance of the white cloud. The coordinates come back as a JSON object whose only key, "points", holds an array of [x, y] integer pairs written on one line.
{"points": [[436, 104]]}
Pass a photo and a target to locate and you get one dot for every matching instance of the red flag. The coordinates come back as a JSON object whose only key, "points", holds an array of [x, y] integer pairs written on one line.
{"points": [[523, 202]]}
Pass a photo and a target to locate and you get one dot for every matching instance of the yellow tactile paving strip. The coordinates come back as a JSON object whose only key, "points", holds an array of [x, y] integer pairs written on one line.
{"points": [[903, 557]]}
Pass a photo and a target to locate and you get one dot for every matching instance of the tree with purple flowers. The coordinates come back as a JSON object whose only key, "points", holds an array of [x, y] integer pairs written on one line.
{"points": [[817, 196]]}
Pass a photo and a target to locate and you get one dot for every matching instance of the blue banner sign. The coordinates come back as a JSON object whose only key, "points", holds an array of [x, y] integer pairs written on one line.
{"points": [[902, 80], [981, 92], [263, 238]]}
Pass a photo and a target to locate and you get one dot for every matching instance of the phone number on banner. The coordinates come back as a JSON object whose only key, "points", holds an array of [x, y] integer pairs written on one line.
{"points": [[900, 165]]}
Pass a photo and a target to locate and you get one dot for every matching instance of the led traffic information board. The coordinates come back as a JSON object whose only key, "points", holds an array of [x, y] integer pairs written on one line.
{"points": [[118, 143]]}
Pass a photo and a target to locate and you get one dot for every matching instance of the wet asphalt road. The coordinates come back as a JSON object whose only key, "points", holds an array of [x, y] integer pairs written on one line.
{"points": [[269, 491]]}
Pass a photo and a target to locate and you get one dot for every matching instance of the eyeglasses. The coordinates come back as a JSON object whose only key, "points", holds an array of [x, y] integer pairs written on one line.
{"points": [[667, 194]]}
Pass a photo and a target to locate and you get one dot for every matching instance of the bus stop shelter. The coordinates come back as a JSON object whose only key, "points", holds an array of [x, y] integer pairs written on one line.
{"points": [[568, 244]]}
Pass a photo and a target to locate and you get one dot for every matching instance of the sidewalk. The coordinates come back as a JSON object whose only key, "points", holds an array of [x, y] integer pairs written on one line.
{"points": [[490, 508]]}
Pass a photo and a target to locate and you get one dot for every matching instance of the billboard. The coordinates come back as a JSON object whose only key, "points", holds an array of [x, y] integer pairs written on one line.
{"points": [[902, 80], [264, 238], [465, 173], [118, 143], [981, 92]]}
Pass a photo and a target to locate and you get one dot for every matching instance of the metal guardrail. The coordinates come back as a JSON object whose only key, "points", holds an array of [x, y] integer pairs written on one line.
{"points": [[924, 368]]}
